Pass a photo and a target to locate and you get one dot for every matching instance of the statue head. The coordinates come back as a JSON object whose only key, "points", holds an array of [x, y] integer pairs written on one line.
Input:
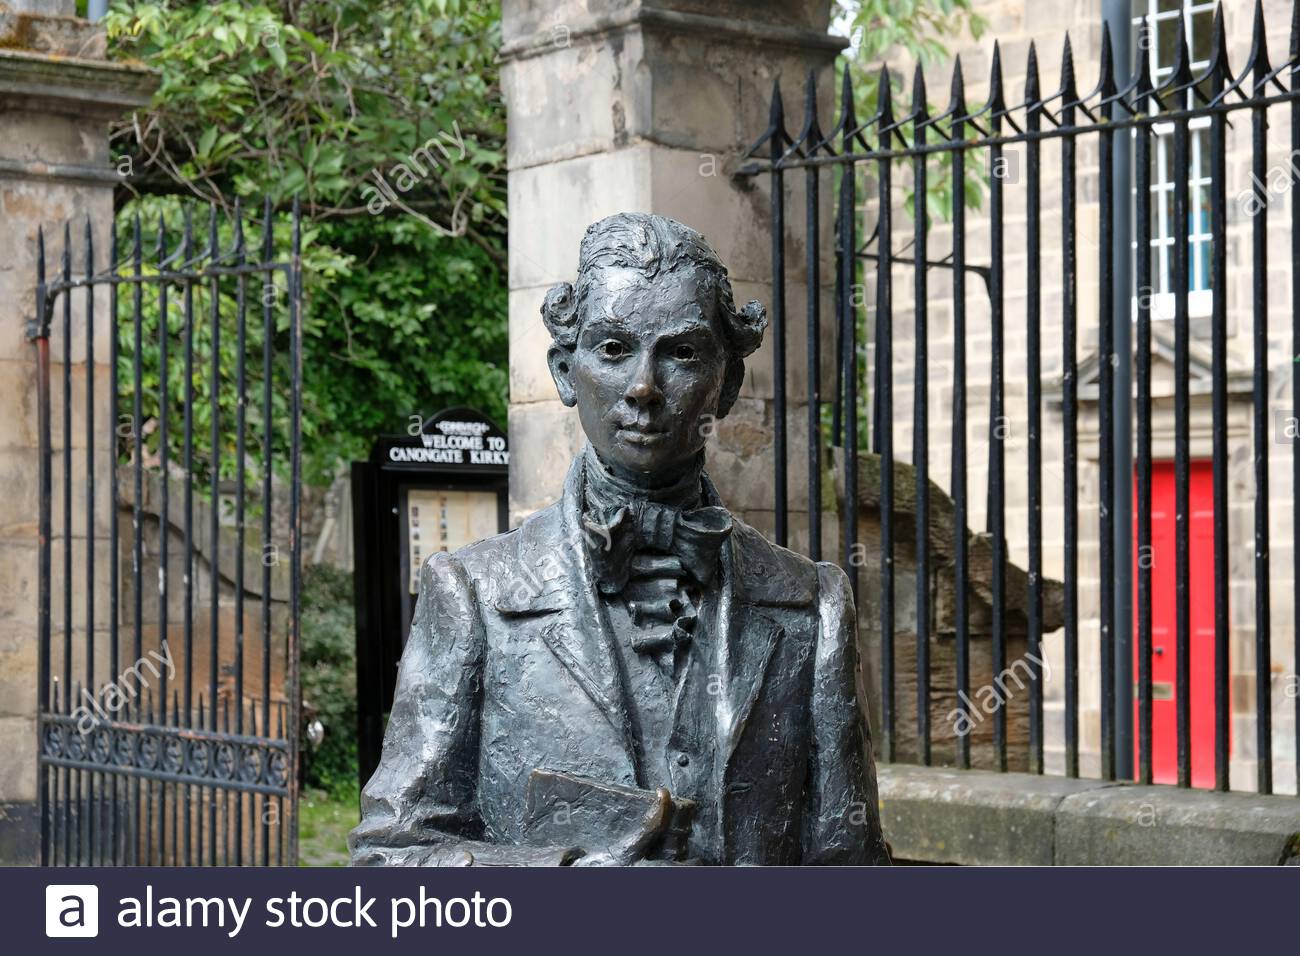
{"points": [[648, 343]]}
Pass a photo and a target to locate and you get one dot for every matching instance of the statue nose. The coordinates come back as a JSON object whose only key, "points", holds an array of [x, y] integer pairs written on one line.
{"points": [[642, 390]]}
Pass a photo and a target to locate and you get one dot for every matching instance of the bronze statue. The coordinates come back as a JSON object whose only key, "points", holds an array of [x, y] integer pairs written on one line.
{"points": [[633, 675]]}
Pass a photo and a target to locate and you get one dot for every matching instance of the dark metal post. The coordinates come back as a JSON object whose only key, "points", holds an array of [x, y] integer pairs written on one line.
{"points": [[1118, 17], [779, 140], [1034, 397], [1069, 346], [921, 422], [884, 434], [958, 486]]}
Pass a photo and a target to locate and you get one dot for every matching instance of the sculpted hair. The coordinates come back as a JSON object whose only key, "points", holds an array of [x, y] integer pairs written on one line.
{"points": [[655, 245]]}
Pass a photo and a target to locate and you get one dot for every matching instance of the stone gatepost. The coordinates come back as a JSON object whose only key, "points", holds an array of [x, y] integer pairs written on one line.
{"points": [[57, 94], [646, 106]]}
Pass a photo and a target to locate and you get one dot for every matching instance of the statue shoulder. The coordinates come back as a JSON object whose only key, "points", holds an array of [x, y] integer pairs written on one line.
{"points": [[484, 562], [770, 573]]}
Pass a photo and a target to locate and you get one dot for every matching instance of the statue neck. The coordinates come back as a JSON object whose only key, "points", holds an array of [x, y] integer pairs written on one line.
{"points": [[608, 487]]}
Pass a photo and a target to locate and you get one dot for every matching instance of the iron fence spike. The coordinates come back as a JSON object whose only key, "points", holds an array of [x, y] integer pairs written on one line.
{"points": [[957, 106], [1259, 63], [1219, 41], [1107, 83], [1182, 74], [1068, 90], [1031, 75], [1143, 82], [848, 115], [996, 99]]}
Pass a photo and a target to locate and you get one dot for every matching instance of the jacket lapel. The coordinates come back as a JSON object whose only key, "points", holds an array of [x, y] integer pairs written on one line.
{"points": [[755, 575], [580, 637]]}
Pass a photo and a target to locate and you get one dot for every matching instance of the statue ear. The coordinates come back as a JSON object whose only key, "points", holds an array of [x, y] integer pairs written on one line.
{"points": [[560, 360], [731, 382]]}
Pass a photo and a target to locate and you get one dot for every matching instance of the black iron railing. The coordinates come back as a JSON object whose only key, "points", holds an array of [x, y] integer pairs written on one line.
{"points": [[134, 770], [869, 153]]}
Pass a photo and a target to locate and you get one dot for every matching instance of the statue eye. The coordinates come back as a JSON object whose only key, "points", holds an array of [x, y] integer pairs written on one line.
{"points": [[684, 353], [611, 349]]}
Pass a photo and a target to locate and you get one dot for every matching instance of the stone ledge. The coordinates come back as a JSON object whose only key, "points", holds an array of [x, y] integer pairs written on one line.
{"points": [[972, 817], [1132, 825], [79, 87], [734, 29]]}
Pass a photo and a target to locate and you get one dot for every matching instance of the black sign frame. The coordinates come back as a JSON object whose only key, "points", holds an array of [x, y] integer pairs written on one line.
{"points": [[459, 449]]}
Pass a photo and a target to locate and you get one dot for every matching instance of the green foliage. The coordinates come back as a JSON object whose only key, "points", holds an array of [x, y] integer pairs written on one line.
{"points": [[307, 99], [385, 120], [919, 28], [329, 683], [426, 331], [195, 385]]}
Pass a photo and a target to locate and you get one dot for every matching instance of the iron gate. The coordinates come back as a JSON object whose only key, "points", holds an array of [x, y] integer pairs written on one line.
{"points": [[1186, 108], [166, 735]]}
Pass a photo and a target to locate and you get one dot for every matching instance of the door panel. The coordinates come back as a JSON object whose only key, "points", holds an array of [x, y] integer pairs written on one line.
{"points": [[1164, 739]]}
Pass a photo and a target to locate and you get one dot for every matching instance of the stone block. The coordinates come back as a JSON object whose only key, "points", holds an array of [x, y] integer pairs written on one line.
{"points": [[759, 372], [696, 187], [552, 206], [1168, 826], [571, 100], [18, 397], [710, 92], [544, 437], [18, 580], [530, 377], [20, 833], [740, 457], [18, 669], [523, 18], [17, 758], [972, 817]]}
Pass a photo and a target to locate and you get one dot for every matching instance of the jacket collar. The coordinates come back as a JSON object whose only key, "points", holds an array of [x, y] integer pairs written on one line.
{"points": [[553, 569]]}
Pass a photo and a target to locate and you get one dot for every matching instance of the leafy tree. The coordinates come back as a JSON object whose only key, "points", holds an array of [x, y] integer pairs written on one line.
{"points": [[386, 121], [918, 29]]}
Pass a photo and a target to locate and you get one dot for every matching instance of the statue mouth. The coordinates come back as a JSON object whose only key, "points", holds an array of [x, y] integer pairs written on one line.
{"points": [[637, 435]]}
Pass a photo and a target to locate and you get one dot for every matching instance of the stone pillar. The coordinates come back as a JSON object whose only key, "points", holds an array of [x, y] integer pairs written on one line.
{"points": [[646, 106], [57, 94]]}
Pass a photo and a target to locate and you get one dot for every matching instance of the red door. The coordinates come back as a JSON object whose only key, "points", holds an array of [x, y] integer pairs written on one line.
{"points": [[1164, 739]]}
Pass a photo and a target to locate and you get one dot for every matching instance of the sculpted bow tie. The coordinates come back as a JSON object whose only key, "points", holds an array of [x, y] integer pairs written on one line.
{"points": [[694, 536]]}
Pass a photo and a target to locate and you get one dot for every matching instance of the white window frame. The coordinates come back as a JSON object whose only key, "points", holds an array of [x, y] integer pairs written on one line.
{"points": [[1199, 300]]}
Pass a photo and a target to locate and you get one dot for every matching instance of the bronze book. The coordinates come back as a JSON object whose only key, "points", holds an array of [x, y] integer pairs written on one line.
{"points": [[568, 810]]}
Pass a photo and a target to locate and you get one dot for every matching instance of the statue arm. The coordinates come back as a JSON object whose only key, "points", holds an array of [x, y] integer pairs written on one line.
{"points": [[842, 814], [421, 808]]}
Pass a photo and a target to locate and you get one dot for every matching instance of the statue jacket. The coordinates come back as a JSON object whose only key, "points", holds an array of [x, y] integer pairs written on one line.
{"points": [[510, 667]]}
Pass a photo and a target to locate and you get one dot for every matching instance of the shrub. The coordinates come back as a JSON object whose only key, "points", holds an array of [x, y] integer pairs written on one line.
{"points": [[329, 680]]}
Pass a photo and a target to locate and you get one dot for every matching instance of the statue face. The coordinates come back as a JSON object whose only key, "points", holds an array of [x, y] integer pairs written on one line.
{"points": [[647, 371]]}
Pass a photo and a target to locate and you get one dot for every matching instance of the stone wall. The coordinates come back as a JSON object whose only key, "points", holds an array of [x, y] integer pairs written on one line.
{"points": [[974, 818], [647, 106], [56, 97]]}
